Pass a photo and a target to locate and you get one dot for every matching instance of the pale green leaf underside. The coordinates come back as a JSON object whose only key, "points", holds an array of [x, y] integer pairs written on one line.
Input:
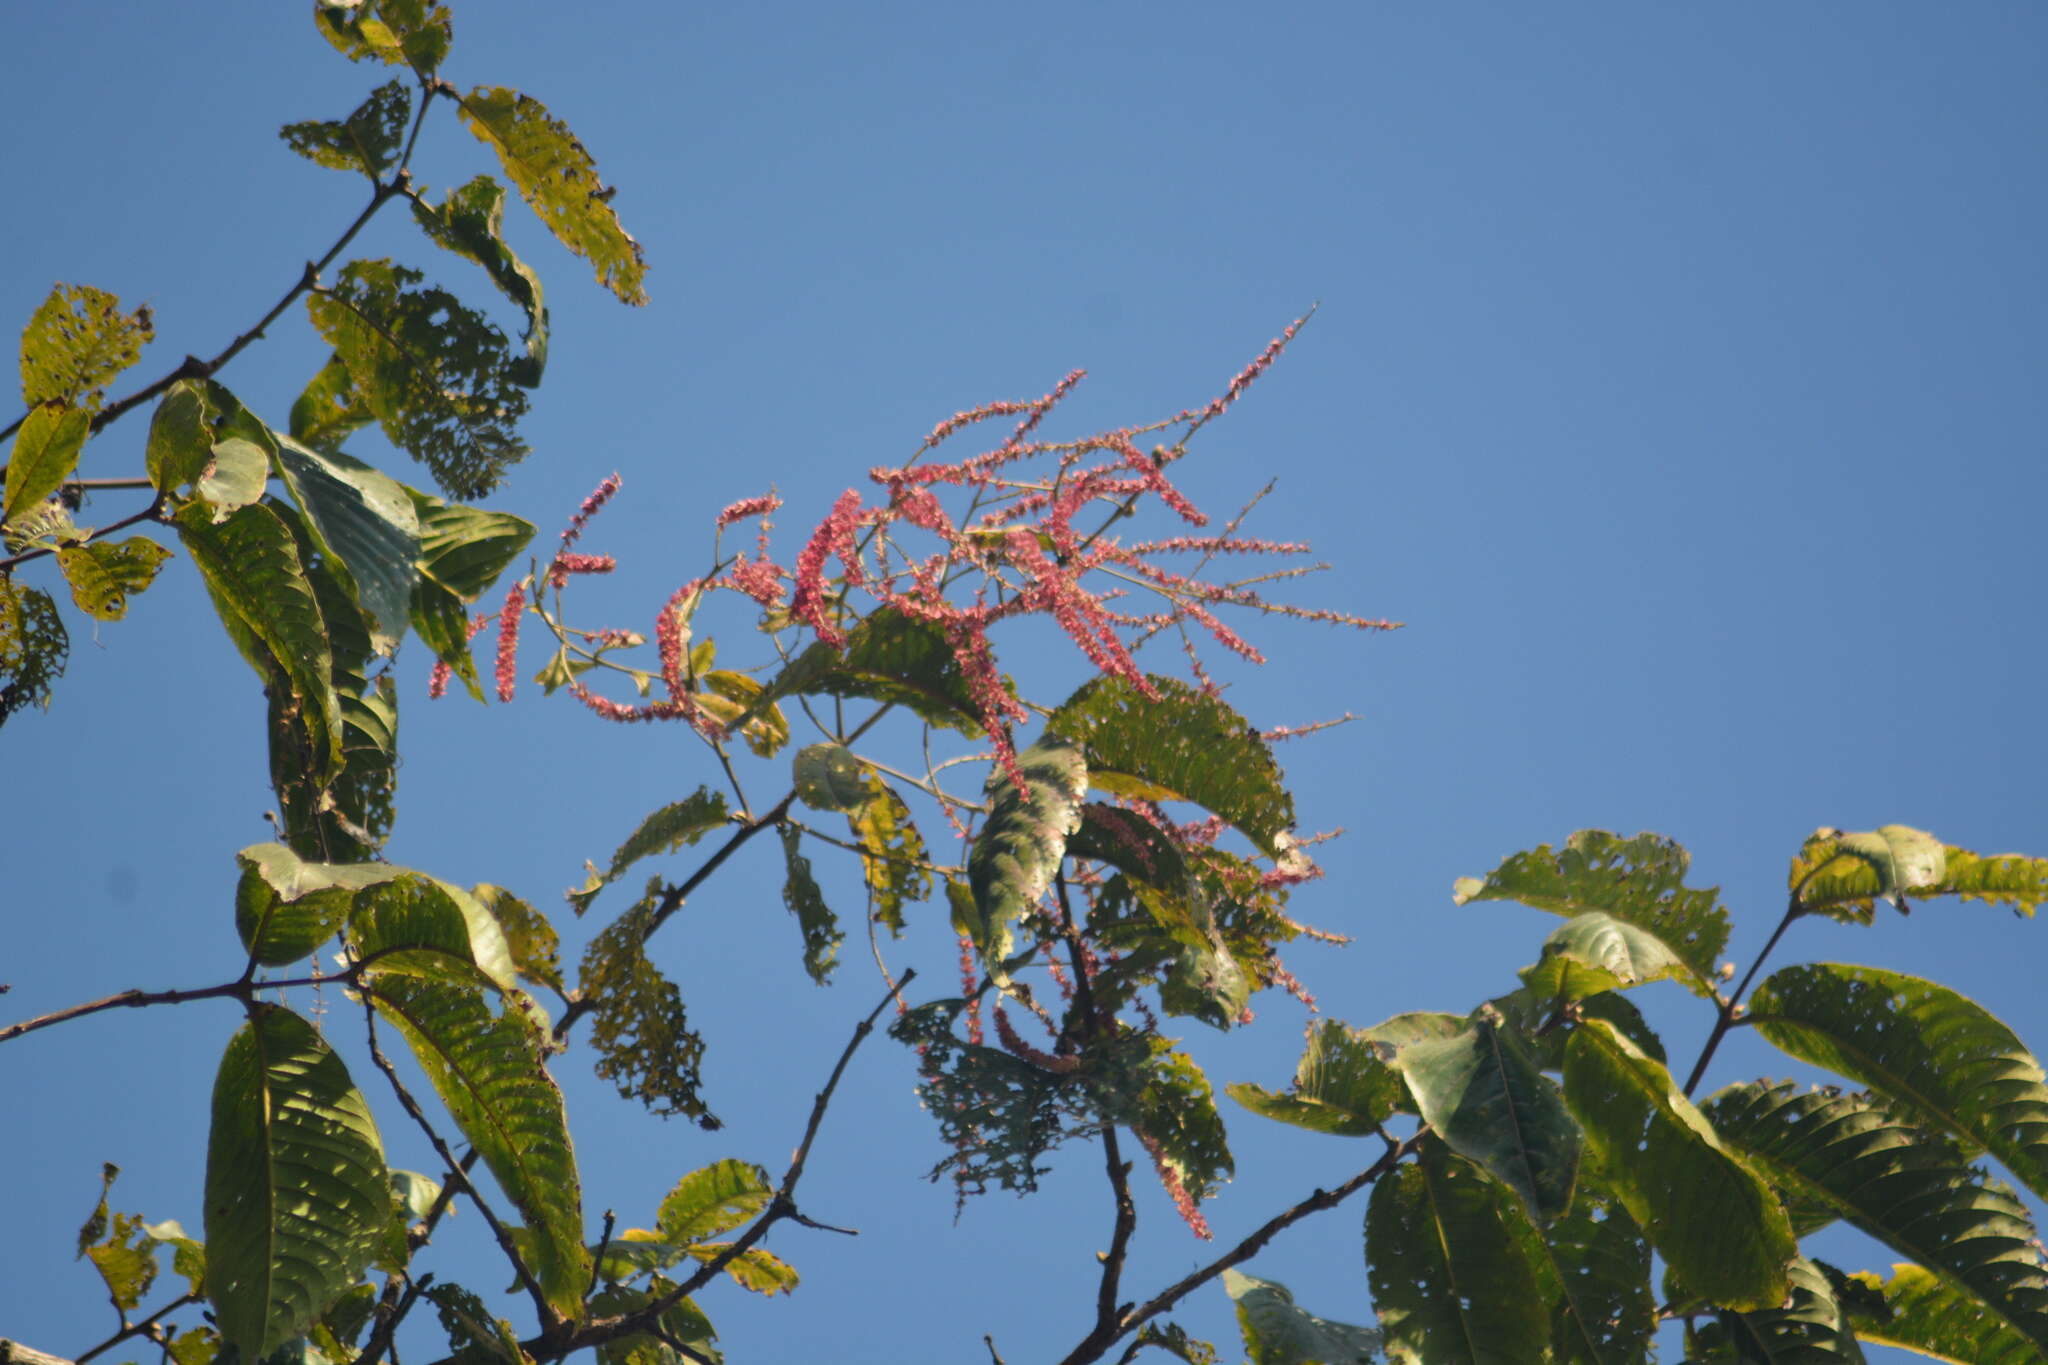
{"points": [[1277, 1332]]}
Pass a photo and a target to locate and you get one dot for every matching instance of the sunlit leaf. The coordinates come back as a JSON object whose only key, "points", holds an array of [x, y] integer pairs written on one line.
{"points": [[188, 1255], [488, 1071], [418, 926], [665, 831], [329, 409], [475, 1336], [1276, 1332], [45, 452], [1481, 1093], [727, 696], [888, 657], [1340, 1087], [437, 374], [104, 574], [1844, 875], [296, 1192], [1909, 1188], [368, 140], [1449, 1279], [1593, 953], [1715, 1223], [1593, 1269], [1939, 1054], [237, 470], [558, 178], [893, 857], [531, 939], [1928, 1315], [1173, 1339], [827, 777], [469, 221], [414, 32], [1020, 845], [33, 647], [1638, 881], [1178, 745], [1176, 1113], [180, 436], [76, 341], [714, 1199], [637, 1025]]}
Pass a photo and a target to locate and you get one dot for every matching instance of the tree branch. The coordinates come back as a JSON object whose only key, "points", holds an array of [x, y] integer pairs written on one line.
{"points": [[1730, 1008], [1099, 1340]]}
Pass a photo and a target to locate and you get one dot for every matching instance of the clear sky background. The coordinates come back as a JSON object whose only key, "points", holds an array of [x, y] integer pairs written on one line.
{"points": [[1676, 380]]}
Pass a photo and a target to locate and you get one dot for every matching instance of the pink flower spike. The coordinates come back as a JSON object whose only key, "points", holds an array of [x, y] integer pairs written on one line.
{"points": [[508, 640], [748, 507], [834, 535], [437, 681], [592, 505]]}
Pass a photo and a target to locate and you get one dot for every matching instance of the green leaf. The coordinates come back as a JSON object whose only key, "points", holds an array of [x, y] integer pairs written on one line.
{"points": [[802, 898], [418, 926], [1844, 875], [1939, 1054], [1593, 1267], [530, 938], [1176, 1113], [1173, 1338], [888, 657], [1925, 1313], [1340, 1087], [827, 777], [365, 520], [46, 450], [1593, 953], [1811, 1329], [296, 1192], [1020, 845], [1481, 1092], [250, 564], [893, 856], [437, 375], [1179, 745], [236, 473], [642, 1036], [685, 1323], [33, 647], [1448, 1277], [1911, 1189], [104, 574], [474, 1335], [470, 223], [558, 178], [285, 906], [180, 436], [714, 1199], [758, 1271], [368, 140], [1278, 1333], [1715, 1223], [726, 696], [393, 31], [77, 340], [665, 831], [488, 1070], [188, 1257], [329, 409], [1637, 881], [462, 552]]}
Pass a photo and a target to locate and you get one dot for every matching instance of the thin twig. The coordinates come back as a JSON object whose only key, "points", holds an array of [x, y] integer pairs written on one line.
{"points": [[1099, 1341], [243, 989], [148, 513], [135, 1329], [1729, 1008]]}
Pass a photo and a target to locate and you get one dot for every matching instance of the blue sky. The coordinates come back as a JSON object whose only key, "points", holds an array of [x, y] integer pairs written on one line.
{"points": [[1675, 379]]}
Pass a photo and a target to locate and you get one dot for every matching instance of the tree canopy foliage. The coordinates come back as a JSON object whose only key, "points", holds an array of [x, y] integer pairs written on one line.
{"points": [[1542, 1180]]}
